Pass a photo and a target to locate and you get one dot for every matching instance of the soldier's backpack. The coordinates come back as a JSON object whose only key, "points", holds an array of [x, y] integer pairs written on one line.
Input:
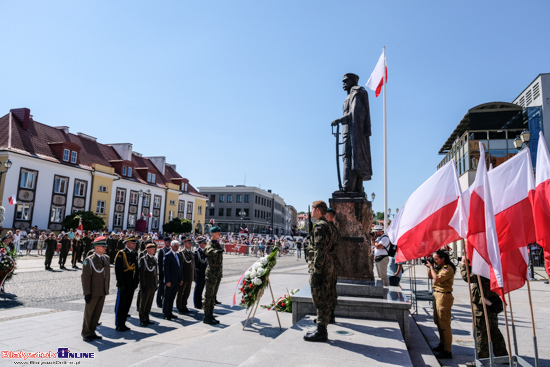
{"points": [[392, 249]]}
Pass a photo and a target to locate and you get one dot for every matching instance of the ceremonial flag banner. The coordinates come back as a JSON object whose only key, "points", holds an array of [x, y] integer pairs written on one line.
{"points": [[12, 200], [80, 229], [150, 215], [482, 235], [423, 224], [376, 80], [541, 199], [512, 184]]}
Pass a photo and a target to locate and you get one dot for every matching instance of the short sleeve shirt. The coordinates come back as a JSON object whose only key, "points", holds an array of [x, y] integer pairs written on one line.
{"points": [[384, 241]]}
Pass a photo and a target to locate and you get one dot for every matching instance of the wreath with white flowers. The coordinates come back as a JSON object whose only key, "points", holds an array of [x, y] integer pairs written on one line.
{"points": [[255, 279]]}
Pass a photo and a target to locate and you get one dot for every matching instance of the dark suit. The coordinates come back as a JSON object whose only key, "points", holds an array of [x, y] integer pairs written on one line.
{"points": [[160, 256], [127, 279], [173, 275], [200, 270]]}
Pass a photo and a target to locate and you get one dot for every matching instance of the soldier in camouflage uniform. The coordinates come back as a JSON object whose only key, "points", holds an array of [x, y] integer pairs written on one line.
{"points": [[321, 270], [499, 345], [214, 254], [331, 214]]}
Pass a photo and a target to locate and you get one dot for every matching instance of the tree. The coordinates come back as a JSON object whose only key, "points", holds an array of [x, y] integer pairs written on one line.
{"points": [[177, 225], [379, 216], [90, 221]]}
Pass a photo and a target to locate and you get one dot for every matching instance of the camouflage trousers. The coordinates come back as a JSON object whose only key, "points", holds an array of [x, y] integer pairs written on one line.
{"points": [[321, 293], [499, 345], [213, 278]]}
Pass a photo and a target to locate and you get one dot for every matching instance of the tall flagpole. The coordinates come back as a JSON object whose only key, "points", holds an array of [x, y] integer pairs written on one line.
{"points": [[385, 151]]}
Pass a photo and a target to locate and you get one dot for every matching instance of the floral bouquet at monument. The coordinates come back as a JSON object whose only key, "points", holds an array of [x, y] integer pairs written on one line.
{"points": [[284, 303], [254, 279], [7, 263]]}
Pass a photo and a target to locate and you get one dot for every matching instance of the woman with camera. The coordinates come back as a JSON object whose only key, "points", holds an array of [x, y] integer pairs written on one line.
{"points": [[442, 271]]}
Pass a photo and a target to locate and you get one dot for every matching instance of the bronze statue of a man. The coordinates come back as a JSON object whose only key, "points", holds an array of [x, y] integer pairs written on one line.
{"points": [[356, 131]]}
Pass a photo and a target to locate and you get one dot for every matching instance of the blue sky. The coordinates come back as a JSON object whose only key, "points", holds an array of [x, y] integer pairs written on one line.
{"points": [[235, 89]]}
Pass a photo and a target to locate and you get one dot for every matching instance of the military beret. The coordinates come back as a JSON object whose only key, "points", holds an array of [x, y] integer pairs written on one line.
{"points": [[330, 210], [200, 239], [167, 239], [129, 239], [215, 229], [319, 204], [100, 241], [151, 245]]}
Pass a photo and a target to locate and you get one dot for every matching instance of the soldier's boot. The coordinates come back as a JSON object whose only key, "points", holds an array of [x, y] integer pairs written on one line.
{"points": [[208, 319], [320, 335], [332, 318]]}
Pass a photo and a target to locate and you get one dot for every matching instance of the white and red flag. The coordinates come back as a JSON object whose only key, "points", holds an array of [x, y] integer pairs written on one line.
{"points": [[541, 198], [12, 200], [512, 185], [80, 229], [482, 234], [150, 215], [376, 80], [424, 224]]}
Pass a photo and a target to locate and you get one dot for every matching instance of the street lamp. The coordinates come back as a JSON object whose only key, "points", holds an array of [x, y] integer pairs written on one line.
{"points": [[242, 214], [522, 138]]}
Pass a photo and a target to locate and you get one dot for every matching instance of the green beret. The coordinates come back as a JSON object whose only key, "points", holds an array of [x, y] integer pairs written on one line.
{"points": [[215, 229], [330, 210]]}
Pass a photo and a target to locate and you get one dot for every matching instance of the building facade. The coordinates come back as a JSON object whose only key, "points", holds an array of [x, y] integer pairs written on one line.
{"points": [[55, 173], [246, 207]]}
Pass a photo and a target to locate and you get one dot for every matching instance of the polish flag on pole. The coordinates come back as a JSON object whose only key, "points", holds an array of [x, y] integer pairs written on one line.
{"points": [[541, 199], [424, 225], [12, 200], [80, 229], [376, 80], [512, 184], [482, 234]]}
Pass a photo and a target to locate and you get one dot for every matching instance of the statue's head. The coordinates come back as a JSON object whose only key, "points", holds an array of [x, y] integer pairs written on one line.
{"points": [[350, 80]]}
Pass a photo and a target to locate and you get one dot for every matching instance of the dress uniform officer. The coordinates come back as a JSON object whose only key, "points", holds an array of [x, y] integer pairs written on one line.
{"points": [[188, 270], [87, 244], [442, 271], [77, 250], [51, 247], [95, 278], [65, 246], [321, 271], [331, 214], [214, 270], [148, 281], [127, 279], [499, 345], [160, 257], [200, 272]]}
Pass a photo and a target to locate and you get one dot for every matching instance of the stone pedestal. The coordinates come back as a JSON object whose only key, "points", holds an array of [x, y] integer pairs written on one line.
{"points": [[353, 220]]}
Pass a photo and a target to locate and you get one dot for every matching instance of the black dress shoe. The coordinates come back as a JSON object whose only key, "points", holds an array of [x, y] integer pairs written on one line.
{"points": [[149, 322], [122, 328], [217, 302], [198, 307], [185, 310], [143, 324], [320, 335], [443, 355], [439, 348], [99, 324], [87, 339], [96, 337], [174, 316]]}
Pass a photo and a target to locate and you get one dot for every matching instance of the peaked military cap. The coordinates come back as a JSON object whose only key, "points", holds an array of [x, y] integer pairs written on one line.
{"points": [[150, 244], [215, 229], [185, 238], [200, 239], [100, 241], [129, 239]]}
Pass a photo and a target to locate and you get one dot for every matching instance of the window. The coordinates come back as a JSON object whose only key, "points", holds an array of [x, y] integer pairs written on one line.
{"points": [[220, 212], [23, 211], [199, 210], [211, 212], [60, 185], [118, 220], [73, 157], [129, 171], [56, 215], [239, 197], [222, 198], [181, 206], [153, 178], [27, 179], [123, 170], [148, 176], [247, 198], [133, 197], [102, 188], [172, 202], [146, 200], [80, 188], [156, 203], [228, 213], [155, 224], [189, 207], [100, 209], [229, 198], [132, 220], [120, 195], [66, 153], [213, 198], [247, 212], [170, 215]]}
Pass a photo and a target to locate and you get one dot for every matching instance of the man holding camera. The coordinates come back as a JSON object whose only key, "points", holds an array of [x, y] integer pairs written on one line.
{"points": [[381, 243]]}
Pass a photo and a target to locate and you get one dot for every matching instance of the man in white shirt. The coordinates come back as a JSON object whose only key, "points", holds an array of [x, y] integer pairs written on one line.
{"points": [[381, 243]]}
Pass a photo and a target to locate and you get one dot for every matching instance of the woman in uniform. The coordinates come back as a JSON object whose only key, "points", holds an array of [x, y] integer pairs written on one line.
{"points": [[442, 271]]}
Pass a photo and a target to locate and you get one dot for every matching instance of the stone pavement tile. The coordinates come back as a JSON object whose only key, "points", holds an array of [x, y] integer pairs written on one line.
{"points": [[7, 314], [185, 360], [371, 343]]}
